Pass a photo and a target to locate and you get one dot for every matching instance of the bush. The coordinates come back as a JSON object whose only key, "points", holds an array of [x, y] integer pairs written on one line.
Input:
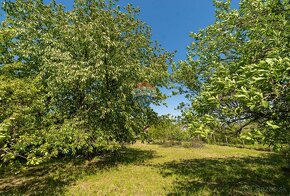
{"points": [[168, 133]]}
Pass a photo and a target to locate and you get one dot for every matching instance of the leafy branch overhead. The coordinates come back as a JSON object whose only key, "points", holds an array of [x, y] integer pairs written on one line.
{"points": [[238, 70]]}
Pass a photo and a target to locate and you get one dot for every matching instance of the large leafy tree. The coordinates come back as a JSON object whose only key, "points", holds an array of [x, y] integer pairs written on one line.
{"points": [[238, 71], [67, 77]]}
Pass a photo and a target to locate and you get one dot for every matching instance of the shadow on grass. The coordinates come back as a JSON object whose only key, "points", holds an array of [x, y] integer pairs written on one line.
{"points": [[192, 144], [51, 178], [250, 147], [228, 176]]}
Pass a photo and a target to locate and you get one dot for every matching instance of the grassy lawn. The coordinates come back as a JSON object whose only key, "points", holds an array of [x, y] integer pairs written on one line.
{"points": [[143, 169]]}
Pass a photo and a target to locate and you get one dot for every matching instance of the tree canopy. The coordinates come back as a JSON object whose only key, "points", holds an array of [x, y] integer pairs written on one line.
{"points": [[237, 72], [67, 76]]}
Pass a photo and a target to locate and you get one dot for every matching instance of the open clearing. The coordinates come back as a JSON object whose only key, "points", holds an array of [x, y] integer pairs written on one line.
{"points": [[146, 169]]}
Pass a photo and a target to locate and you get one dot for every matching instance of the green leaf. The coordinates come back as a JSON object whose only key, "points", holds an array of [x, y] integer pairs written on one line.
{"points": [[265, 103], [273, 126]]}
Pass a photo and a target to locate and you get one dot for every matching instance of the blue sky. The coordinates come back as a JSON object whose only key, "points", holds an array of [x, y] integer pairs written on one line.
{"points": [[171, 22]]}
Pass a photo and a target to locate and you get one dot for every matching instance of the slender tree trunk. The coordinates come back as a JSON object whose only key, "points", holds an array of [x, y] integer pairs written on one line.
{"points": [[213, 137]]}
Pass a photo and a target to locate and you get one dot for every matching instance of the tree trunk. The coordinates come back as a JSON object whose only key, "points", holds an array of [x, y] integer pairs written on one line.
{"points": [[213, 137]]}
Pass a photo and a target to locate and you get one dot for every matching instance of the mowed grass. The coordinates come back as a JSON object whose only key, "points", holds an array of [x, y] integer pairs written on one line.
{"points": [[147, 169]]}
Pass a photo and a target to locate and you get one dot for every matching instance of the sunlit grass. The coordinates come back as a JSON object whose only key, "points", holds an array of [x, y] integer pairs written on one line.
{"points": [[143, 169]]}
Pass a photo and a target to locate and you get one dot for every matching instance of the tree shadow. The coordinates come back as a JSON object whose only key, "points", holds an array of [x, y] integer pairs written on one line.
{"points": [[172, 143], [51, 178], [250, 147], [228, 176]]}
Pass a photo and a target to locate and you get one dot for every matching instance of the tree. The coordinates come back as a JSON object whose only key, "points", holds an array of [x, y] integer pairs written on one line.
{"points": [[77, 69], [166, 128], [238, 70]]}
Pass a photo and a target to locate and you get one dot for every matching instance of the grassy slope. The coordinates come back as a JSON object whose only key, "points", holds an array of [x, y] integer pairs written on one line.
{"points": [[157, 170]]}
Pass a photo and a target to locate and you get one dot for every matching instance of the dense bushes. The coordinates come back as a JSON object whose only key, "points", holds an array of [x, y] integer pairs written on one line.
{"points": [[168, 133]]}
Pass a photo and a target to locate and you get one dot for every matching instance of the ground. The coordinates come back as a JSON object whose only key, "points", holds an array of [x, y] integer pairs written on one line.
{"points": [[147, 169]]}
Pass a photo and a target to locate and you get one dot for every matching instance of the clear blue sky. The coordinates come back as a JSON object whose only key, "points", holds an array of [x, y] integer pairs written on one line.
{"points": [[171, 22]]}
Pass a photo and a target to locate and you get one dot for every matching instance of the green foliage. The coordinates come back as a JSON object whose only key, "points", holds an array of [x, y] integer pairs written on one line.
{"points": [[201, 130], [165, 129], [237, 71], [66, 78], [253, 136]]}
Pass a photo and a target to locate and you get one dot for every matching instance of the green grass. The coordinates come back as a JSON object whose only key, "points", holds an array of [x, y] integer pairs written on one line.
{"points": [[143, 169]]}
